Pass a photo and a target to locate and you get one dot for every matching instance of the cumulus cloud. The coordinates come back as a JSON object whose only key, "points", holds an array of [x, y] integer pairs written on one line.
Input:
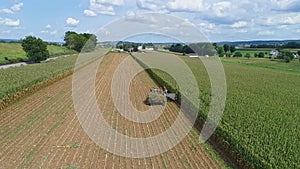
{"points": [[108, 2], [283, 19], [17, 6], [239, 24], [104, 7], [171, 5], [281, 4], [151, 5], [7, 11], [9, 22], [71, 22], [48, 26], [221, 9], [186, 5], [89, 13]]}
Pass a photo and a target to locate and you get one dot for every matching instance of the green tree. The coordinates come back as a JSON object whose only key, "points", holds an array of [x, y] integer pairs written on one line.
{"points": [[90, 43], [237, 54], [261, 55], [232, 49], [248, 55], [220, 51], [286, 55], [226, 48], [215, 45], [80, 42], [35, 48]]}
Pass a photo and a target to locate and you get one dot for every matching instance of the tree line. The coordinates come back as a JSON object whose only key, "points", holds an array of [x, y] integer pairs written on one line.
{"points": [[200, 49], [289, 45]]}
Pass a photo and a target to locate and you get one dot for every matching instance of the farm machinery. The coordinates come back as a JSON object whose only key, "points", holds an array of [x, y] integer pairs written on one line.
{"points": [[159, 97]]}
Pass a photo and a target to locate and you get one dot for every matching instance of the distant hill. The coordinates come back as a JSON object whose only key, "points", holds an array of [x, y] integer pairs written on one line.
{"points": [[236, 43], [8, 40], [258, 42]]}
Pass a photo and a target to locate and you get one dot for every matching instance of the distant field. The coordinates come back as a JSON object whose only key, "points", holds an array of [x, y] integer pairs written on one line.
{"points": [[271, 64], [13, 52], [253, 51], [59, 50]]}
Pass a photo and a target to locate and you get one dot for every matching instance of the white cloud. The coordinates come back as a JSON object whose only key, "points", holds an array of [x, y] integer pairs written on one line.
{"points": [[283, 19], [266, 32], [241, 30], [48, 26], [105, 7], [239, 24], [105, 10], [7, 11], [157, 5], [89, 13], [207, 27], [171, 5], [107, 2], [185, 5], [281, 3], [221, 9], [17, 6], [71, 22], [9, 22]]}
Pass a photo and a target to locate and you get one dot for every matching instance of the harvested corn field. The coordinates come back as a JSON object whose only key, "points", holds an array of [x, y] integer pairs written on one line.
{"points": [[43, 131]]}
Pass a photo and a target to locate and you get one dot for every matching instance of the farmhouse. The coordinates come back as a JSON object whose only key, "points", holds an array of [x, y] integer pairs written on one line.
{"points": [[274, 53]]}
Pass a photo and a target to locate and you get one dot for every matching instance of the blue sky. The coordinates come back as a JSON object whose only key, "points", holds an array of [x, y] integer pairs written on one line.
{"points": [[217, 20]]}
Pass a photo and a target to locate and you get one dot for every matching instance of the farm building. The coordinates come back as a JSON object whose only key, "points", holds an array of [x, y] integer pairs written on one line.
{"points": [[274, 53]]}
